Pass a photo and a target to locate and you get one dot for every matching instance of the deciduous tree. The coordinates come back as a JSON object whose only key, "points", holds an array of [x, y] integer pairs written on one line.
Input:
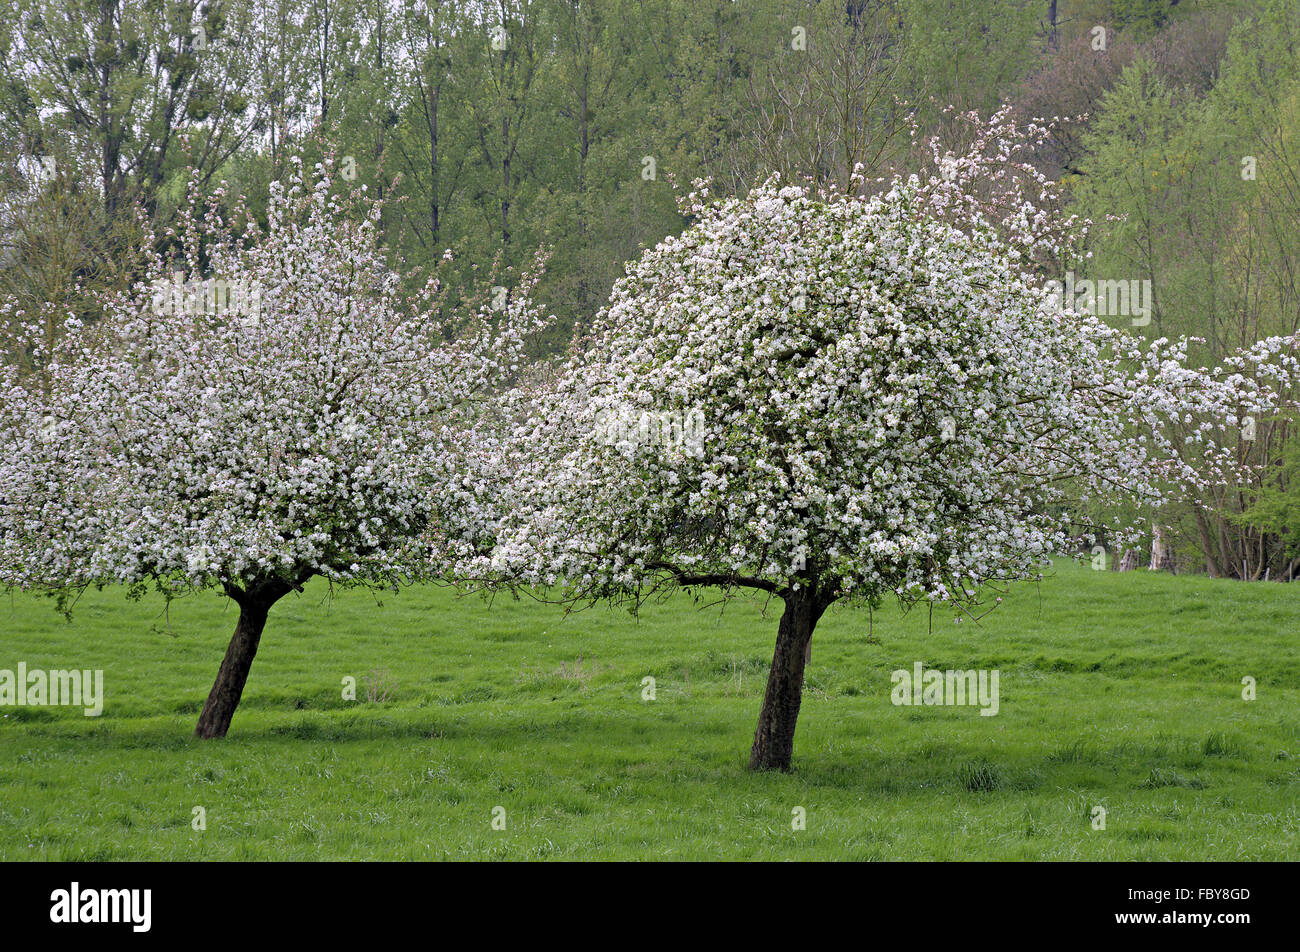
{"points": [[886, 406], [267, 409]]}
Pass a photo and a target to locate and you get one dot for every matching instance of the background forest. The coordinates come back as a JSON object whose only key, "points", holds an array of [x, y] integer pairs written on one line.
{"points": [[494, 129]]}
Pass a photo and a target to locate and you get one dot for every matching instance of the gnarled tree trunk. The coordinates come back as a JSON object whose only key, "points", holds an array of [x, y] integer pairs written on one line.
{"points": [[254, 603], [774, 738]]}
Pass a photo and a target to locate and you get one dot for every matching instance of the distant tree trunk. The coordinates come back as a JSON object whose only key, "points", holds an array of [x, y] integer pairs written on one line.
{"points": [[774, 738], [1160, 558], [254, 604], [1129, 561], [1212, 565]]}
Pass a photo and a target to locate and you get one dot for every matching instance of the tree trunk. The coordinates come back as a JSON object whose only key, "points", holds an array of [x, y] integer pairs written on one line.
{"points": [[1212, 566], [774, 738], [254, 604], [1161, 560]]}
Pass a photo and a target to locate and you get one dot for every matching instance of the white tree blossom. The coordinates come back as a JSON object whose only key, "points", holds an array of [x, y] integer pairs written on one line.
{"points": [[892, 407], [315, 423]]}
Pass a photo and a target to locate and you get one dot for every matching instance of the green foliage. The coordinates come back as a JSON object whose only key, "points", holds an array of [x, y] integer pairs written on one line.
{"points": [[966, 55], [1276, 505], [1143, 17]]}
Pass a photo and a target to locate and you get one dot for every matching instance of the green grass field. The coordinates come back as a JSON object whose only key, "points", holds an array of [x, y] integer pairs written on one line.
{"points": [[1119, 691]]}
